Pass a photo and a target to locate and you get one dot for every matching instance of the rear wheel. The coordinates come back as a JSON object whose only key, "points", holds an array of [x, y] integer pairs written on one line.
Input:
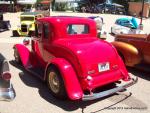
{"points": [[17, 56], [55, 83]]}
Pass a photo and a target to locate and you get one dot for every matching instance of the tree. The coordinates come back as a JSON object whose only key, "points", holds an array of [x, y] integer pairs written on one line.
{"points": [[53, 5]]}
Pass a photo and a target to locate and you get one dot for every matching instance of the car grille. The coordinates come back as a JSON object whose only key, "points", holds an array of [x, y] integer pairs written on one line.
{"points": [[24, 28]]}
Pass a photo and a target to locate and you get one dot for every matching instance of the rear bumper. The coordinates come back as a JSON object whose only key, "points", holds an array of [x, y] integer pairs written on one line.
{"points": [[111, 91], [7, 94]]}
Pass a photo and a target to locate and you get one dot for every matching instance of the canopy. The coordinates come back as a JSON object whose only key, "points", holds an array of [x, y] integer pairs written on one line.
{"points": [[26, 1], [45, 1]]}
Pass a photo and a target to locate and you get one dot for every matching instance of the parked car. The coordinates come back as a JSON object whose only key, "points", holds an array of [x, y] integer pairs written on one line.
{"points": [[101, 33], [72, 59], [118, 9], [4, 25], [134, 49], [126, 26], [6, 89], [110, 8], [27, 24]]}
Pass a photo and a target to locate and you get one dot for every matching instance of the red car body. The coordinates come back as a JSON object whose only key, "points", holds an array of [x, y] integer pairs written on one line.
{"points": [[83, 61]]}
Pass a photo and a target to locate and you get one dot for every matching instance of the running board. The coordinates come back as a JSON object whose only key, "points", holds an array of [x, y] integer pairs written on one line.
{"points": [[39, 72]]}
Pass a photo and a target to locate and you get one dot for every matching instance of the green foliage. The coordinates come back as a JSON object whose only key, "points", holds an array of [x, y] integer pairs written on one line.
{"points": [[38, 1], [63, 6]]}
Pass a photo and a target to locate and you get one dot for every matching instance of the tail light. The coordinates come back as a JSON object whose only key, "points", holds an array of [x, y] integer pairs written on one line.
{"points": [[6, 76]]}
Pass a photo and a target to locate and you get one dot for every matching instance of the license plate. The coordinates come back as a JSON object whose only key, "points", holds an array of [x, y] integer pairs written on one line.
{"points": [[103, 67]]}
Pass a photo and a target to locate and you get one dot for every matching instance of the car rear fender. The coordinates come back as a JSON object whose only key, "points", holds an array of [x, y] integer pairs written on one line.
{"points": [[128, 52], [24, 54], [69, 76]]}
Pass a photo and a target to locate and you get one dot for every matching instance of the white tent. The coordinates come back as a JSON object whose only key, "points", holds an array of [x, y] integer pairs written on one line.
{"points": [[64, 0], [26, 1]]}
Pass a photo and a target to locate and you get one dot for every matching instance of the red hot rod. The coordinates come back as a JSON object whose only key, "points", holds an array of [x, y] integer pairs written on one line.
{"points": [[66, 53]]}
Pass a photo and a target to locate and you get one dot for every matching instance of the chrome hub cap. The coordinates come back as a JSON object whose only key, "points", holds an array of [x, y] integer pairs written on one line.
{"points": [[54, 82], [16, 55]]}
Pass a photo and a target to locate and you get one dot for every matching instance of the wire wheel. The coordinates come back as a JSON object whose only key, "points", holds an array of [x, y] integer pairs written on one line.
{"points": [[55, 83], [17, 57]]}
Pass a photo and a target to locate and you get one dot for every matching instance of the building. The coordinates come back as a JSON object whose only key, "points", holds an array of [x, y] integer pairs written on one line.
{"points": [[136, 8], [26, 1], [5, 6]]}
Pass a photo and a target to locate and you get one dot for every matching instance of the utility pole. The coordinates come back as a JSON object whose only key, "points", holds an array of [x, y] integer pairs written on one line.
{"points": [[11, 4], [142, 12]]}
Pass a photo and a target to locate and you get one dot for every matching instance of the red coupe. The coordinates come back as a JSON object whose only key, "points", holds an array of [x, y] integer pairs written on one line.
{"points": [[66, 53]]}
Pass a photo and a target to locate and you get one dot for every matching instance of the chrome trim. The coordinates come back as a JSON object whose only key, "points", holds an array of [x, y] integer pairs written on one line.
{"points": [[7, 94], [109, 92]]}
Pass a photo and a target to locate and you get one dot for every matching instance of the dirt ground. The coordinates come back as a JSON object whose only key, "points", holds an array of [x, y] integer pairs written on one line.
{"points": [[32, 95]]}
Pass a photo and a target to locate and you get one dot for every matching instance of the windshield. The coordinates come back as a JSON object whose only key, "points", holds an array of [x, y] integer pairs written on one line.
{"points": [[78, 29], [27, 18]]}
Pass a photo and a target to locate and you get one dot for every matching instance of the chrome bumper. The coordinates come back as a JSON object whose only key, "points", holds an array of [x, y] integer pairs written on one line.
{"points": [[109, 92], [7, 94]]}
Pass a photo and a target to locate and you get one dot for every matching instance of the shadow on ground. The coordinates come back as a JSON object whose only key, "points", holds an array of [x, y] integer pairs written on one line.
{"points": [[67, 105], [140, 73]]}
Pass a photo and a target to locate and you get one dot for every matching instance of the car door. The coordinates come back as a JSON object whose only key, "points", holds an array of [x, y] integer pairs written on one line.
{"points": [[37, 46], [47, 38]]}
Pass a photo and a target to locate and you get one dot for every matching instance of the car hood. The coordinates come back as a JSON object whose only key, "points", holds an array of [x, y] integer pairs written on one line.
{"points": [[89, 53]]}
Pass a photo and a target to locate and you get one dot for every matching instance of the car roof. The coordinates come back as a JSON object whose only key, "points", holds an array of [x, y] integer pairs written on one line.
{"points": [[118, 5], [123, 19], [60, 24], [67, 19], [30, 13]]}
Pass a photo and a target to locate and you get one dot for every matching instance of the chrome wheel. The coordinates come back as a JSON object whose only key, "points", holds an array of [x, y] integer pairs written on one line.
{"points": [[54, 83], [16, 55]]}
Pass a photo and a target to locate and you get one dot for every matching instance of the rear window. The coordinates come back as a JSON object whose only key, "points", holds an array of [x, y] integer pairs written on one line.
{"points": [[78, 29]]}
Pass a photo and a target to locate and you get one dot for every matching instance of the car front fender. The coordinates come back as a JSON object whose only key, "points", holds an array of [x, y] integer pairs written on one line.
{"points": [[128, 52], [69, 76], [24, 54]]}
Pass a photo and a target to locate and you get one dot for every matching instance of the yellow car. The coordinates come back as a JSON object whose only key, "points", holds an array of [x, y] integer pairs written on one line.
{"points": [[27, 24]]}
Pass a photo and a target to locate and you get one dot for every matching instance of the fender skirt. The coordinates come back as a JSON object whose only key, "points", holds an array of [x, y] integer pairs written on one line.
{"points": [[69, 76], [130, 53], [24, 54]]}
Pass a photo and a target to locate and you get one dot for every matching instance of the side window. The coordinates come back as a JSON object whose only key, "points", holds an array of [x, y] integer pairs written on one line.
{"points": [[117, 22], [46, 31], [36, 30], [39, 31]]}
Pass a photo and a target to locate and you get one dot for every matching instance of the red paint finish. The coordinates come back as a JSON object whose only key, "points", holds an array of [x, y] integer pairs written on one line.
{"points": [[70, 79], [78, 56]]}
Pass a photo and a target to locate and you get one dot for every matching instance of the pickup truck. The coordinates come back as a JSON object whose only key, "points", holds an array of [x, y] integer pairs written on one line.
{"points": [[134, 49], [27, 24], [66, 53]]}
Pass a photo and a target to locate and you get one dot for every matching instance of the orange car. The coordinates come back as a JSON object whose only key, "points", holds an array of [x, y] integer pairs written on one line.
{"points": [[133, 48]]}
